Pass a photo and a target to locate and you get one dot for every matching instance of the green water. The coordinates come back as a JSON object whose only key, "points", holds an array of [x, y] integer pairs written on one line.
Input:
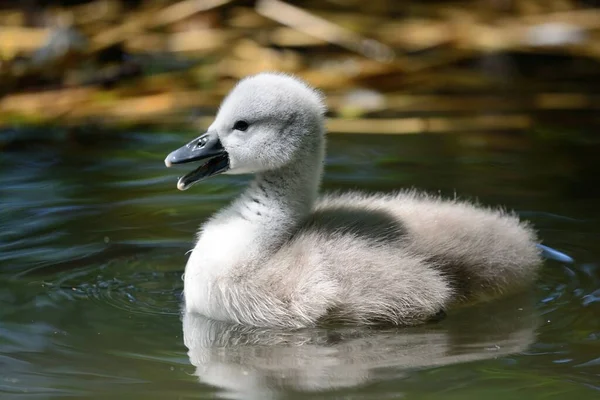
{"points": [[93, 236]]}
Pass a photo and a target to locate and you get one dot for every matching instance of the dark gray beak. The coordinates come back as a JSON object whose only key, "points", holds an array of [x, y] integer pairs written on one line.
{"points": [[206, 149]]}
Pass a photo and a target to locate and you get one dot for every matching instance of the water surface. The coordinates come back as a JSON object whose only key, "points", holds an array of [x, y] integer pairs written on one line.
{"points": [[92, 248]]}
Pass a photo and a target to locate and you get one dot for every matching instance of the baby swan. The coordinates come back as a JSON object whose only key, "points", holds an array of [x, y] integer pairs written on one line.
{"points": [[280, 256]]}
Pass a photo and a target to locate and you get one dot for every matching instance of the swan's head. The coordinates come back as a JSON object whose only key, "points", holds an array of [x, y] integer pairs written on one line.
{"points": [[268, 121]]}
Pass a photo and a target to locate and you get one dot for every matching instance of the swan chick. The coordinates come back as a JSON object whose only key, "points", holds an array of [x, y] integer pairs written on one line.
{"points": [[280, 255]]}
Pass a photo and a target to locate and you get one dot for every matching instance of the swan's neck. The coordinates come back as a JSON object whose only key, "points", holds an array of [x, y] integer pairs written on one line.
{"points": [[259, 220], [277, 200]]}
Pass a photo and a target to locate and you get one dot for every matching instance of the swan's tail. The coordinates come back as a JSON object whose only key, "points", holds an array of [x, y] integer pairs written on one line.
{"points": [[551, 254]]}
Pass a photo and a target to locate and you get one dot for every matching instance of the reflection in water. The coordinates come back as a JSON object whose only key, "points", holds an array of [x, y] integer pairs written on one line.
{"points": [[262, 363]]}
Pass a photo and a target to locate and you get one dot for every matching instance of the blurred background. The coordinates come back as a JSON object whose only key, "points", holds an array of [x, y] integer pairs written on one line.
{"points": [[415, 66], [491, 100]]}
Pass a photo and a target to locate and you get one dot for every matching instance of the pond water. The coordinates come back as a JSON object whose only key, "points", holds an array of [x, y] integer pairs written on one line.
{"points": [[92, 248]]}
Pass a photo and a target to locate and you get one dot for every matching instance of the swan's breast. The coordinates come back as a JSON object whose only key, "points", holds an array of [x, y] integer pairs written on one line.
{"points": [[223, 248]]}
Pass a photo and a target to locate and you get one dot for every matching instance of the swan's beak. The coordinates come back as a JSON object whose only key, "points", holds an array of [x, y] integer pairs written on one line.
{"points": [[206, 148]]}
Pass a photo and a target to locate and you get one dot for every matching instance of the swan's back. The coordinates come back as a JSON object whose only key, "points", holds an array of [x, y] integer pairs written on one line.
{"points": [[480, 252]]}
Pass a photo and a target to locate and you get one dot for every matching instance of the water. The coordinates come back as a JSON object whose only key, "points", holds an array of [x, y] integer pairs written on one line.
{"points": [[92, 247]]}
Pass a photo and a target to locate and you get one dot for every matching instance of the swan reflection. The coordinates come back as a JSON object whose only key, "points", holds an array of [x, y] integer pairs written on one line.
{"points": [[261, 363]]}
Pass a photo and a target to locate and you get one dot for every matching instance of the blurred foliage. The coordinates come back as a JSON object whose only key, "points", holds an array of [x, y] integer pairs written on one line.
{"points": [[386, 66]]}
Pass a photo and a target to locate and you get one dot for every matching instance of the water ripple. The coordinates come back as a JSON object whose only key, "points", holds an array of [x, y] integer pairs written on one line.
{"points": [[119, 285]]}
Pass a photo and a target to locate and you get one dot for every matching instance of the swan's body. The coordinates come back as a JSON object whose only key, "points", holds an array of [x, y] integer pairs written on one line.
{"points": [[281, 256]]}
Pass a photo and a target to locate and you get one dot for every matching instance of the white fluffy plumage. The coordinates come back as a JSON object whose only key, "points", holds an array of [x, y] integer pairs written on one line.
{"points": [[281, 256]]}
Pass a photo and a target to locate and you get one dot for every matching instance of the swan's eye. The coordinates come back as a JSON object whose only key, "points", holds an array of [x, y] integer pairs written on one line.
{"points": [[240, 126]]}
